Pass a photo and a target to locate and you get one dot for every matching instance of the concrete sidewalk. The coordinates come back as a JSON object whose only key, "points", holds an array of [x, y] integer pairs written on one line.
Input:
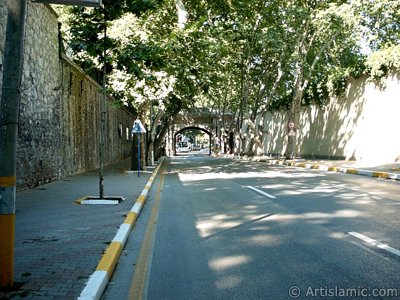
{"points": [[59, 243]]}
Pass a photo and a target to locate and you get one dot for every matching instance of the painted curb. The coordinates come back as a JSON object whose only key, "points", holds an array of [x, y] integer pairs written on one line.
{"points": [[304, 164], [98, 281]]}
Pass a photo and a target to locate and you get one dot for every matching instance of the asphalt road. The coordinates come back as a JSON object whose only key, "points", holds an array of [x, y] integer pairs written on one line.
{"points": [[226, 229]]}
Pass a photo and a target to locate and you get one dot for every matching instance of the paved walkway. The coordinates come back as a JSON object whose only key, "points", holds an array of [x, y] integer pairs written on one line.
{"points": [[59, 243]]}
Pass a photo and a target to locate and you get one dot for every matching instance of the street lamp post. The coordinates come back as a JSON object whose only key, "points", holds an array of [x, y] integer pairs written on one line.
{"points": [[103, 113], [152, 135]]}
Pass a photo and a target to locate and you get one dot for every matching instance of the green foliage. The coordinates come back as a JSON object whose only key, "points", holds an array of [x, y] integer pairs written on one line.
{"points": [[233, 55], [88, 37], [380, 62], [136, 56], [379, 22]]}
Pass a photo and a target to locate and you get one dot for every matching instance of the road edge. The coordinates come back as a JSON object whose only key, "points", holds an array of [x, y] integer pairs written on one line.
{"points": [[346, 170], [322, 167], [99, 279]]}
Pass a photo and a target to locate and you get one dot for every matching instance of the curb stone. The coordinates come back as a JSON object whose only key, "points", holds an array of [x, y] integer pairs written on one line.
{"points": [[98, 281], [354, 171], [301, 163]]}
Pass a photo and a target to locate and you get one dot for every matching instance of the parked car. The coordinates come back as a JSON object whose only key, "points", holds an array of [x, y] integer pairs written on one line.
{"points": [[183, 147]]}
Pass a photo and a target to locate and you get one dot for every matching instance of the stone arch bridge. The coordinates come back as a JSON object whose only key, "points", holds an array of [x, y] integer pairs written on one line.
{"points": [[211, 123]]}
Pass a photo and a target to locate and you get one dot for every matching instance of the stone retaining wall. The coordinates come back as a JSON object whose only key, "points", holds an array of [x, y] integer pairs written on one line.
{"points": [[59, 113]]}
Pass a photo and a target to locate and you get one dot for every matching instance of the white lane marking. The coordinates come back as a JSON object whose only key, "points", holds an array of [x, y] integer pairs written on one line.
{"points": [[261, 192], [375, 243]]}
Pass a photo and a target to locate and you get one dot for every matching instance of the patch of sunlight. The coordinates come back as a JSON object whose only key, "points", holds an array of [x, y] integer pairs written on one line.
{"points": [[362, 202], [321, 221], [289, 193], [263, 240], [208, 227], [377, 193], [344, 213], [319, 190], [212, 176], [210, 189], [227, 262], [177, 162], [250, 207], [205, 167], [228, 282], [260, 228], [326, 190], [276, 186], [350, 195], [350, 187], [221, 217], [221, 222], [337, 235]]}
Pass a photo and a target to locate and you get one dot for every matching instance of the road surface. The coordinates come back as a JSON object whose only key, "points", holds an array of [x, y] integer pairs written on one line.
{"points": [[228, 229]]}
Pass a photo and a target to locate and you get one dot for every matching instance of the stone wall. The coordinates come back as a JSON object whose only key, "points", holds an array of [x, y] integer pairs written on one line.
{"points": [[59, 113]]}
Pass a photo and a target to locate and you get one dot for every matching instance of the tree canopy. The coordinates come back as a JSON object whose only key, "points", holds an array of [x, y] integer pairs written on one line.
{"points": [[245, 57]]}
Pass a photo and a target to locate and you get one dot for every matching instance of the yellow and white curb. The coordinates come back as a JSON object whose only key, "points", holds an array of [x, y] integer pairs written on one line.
{"points": [[98, 281], [370, 173]]}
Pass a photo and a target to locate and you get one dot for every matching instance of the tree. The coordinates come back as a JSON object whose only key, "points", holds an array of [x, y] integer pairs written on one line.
{"points": [[231, 55]]}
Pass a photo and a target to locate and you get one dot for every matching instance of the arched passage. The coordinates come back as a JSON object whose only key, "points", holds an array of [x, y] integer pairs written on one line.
{"points": [[179, 132]]}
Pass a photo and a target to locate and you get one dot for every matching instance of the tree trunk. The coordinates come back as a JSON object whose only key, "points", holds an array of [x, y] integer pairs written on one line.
{"points": [[182, 14], [159, 149], [294, 118], [135, 152]]}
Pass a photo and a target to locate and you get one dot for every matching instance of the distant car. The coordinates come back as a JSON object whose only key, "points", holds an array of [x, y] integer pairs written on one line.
{"points": [[183, 147]]}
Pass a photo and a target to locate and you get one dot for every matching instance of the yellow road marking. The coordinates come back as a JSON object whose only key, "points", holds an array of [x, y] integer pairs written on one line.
{"points": [[7, 225], [139, 278]]}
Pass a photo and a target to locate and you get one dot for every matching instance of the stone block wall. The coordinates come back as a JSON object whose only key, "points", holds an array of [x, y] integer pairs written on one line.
{"points": [[59, 112]]}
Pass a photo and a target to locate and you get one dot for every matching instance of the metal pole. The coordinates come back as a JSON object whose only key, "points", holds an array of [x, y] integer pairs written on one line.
{"points": [[152, 136], [103, 103], [9, 112], [138, 168]]}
